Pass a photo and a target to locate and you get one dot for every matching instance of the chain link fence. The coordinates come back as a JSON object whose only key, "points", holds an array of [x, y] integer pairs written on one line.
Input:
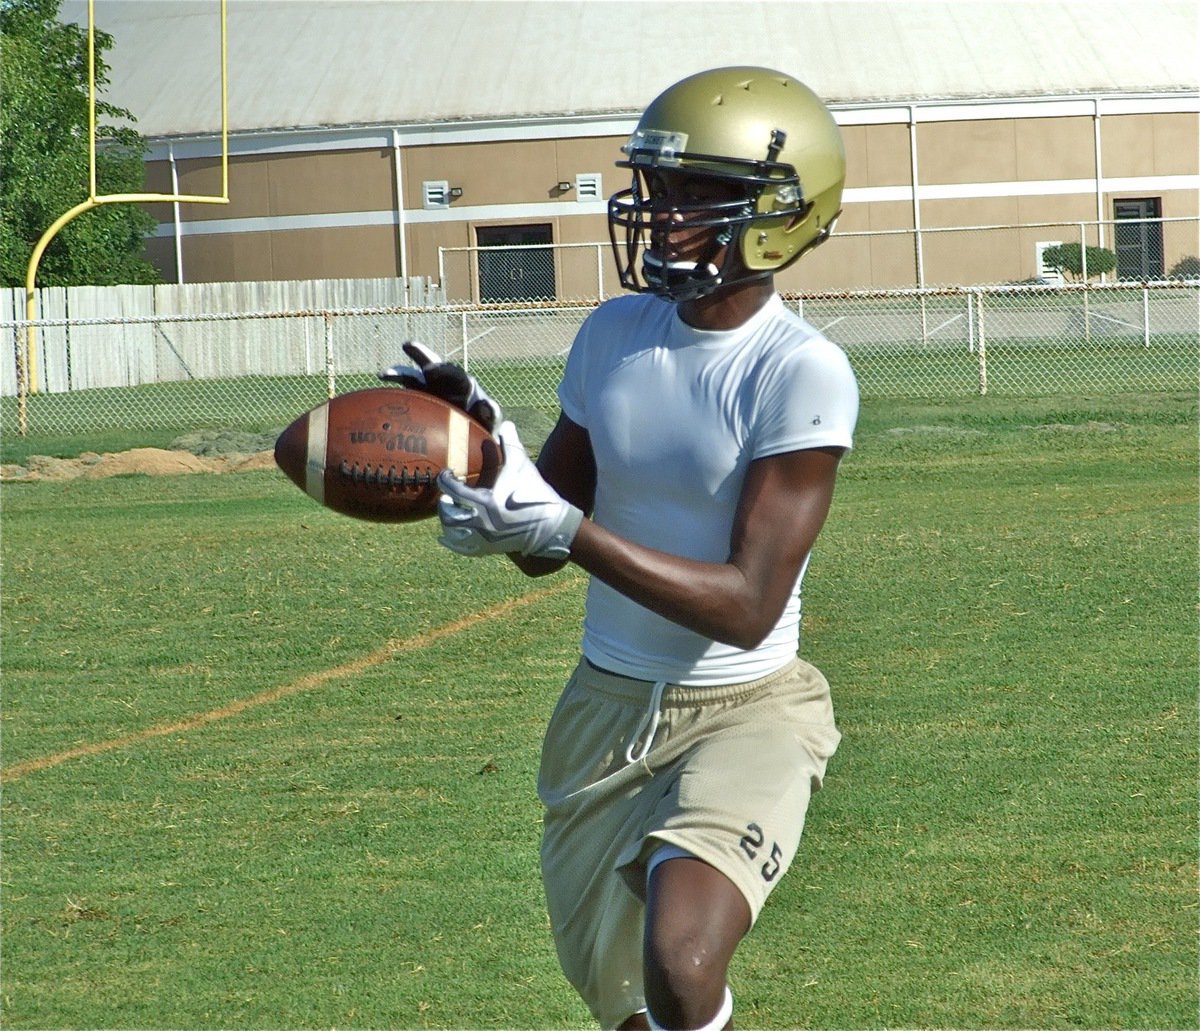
{"points": [[1016, 340], [257, 371]]}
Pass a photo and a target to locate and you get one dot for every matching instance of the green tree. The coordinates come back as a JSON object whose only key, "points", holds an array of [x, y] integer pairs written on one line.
{"points": [[1068, 258], [44, 156]]}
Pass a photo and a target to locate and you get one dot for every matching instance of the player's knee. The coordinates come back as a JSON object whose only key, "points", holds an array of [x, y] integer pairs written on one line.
{"points": [[685, 982]]}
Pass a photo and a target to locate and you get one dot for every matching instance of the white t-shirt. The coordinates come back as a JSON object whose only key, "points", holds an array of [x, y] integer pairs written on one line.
{"points": [[675, 416]]}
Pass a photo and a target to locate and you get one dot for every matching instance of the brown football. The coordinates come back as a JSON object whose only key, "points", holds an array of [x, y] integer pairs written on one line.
{"points": [[376, 454]]}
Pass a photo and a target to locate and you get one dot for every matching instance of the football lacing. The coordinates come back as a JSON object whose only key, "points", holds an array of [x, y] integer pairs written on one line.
{"points": [[391, 478]]}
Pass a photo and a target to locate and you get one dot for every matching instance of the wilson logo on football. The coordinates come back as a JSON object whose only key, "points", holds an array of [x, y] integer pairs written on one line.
{"points": [[413, 443]]}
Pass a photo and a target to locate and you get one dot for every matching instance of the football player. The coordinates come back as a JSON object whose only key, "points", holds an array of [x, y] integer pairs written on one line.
{"points": [[689, 474]]}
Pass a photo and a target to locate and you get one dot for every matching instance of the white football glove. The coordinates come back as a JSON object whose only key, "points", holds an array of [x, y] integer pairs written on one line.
{"points": [[522, 512], [446, 380]]}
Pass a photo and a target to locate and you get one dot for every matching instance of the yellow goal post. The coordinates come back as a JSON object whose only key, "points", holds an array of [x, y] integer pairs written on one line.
{"points": [[28, 383]]}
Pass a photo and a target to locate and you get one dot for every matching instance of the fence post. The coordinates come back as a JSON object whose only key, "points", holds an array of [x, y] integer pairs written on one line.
{"points": [[462, 322], [330, 367], [1083, 272], [982, 361], [1146, 316], [22, 381], [970, 322]]}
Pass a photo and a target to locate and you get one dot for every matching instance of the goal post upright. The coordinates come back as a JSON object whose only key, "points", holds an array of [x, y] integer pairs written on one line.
{"points": [[28, 383]]}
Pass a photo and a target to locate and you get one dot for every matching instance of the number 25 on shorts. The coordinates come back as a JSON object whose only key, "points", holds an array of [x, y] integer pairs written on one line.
{"points": [[752, 842]]}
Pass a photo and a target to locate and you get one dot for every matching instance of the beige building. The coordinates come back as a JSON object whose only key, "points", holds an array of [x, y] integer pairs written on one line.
{"points": [[391, 139]]}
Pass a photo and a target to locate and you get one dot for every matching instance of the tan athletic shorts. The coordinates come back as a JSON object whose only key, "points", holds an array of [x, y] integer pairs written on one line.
{"points": [[728, 778]]}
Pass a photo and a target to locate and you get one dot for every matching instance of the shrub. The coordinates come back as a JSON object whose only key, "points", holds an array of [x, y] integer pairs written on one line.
{"points": [[1185, 268], [1068, 258]]}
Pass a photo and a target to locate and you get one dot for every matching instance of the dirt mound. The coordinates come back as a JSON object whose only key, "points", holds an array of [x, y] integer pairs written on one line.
{"points": [[142, 461]]}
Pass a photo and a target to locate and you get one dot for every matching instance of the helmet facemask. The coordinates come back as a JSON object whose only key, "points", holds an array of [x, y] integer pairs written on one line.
{"points": [[653, 225]]}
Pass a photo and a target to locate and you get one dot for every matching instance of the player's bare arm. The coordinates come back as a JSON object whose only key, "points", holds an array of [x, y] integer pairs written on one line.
{"points": [[783, 506]]}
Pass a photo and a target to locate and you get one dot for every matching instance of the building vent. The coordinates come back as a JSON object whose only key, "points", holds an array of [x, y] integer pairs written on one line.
{"points": [[588, 186], [435, 194], [1045, 273]]}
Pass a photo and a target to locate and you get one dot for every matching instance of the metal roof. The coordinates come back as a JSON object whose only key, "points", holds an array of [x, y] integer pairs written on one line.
{"points": [[320, 63]]}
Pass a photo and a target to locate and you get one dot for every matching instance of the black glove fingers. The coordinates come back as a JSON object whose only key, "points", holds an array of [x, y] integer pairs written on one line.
{"points": [[449, 382], [417, 354]]}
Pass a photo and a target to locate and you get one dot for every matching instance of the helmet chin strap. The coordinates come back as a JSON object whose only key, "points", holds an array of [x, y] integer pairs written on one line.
{"points": [[679, 280], [687, 280]]}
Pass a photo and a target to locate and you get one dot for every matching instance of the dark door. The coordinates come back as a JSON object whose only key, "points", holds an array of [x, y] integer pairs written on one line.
{"points": [[1139, 244], [519, 269]]}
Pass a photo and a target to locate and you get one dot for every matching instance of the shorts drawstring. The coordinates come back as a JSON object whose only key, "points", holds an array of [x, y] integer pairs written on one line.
{"points": [[649, 723]]}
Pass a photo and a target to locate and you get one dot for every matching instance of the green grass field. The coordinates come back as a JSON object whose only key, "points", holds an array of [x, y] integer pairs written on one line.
{"points": [[266, 767]]}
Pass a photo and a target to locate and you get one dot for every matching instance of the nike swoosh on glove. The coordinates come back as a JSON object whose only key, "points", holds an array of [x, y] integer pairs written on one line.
{"points": [[443, 379], [521, 513]]}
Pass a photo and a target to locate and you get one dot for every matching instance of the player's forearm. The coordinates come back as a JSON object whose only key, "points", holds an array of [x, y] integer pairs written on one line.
{"points": [[716, 600]]}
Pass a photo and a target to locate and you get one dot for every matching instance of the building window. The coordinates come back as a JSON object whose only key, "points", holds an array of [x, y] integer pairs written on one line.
{"points": [[1139, 243], [521, 268]]}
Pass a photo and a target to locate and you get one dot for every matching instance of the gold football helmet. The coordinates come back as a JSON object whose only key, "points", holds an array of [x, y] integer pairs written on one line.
{"points": [[762, 131]]}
